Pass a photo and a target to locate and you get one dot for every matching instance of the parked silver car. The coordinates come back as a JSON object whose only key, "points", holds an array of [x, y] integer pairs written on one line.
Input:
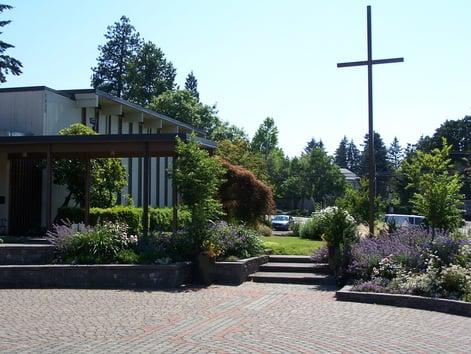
{"points": [[281, 222]]}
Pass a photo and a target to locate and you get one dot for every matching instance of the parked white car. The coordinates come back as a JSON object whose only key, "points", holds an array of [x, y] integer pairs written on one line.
{"points": [[404, 219]]}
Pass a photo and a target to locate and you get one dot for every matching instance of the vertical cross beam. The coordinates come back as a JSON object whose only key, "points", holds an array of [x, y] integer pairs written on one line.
{"points": [[371, 144]]}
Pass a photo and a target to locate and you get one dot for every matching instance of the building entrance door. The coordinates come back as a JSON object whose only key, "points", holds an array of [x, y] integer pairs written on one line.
{"points": [[25, 197]]}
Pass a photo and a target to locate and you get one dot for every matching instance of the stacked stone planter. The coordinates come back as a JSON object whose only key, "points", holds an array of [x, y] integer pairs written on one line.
{"points": [[29, 266]]}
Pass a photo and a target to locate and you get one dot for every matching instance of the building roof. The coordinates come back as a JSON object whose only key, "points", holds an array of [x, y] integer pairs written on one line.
{"points": [[349, 175], [95, 146], [71, 95]]}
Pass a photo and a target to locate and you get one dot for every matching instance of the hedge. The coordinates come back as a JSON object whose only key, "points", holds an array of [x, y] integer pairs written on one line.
{"points": [[160, 219]]}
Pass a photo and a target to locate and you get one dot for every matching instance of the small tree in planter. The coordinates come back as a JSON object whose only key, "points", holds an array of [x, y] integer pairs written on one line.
{"points": [[339, 230], [198, 177]]}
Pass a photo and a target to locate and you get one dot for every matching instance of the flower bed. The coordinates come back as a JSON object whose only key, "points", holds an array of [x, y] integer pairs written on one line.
{"points": [[454, 307], [412, 261]]}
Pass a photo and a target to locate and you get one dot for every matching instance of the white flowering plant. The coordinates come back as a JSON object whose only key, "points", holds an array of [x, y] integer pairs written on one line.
{"points": [[106, 242]]}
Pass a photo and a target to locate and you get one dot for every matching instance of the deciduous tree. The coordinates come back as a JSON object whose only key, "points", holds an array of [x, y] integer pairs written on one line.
{"points": [[181, 105], [198, 177], [265, 139], [322, 180], [244, 197], [108, 176], [437, 195]]}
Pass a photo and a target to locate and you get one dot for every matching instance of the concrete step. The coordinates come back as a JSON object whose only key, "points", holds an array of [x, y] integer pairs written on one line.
{"points": [[292, 278], [290, 259], [319, 268]]}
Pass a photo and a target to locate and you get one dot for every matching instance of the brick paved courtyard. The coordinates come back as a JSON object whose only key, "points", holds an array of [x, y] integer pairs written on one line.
{"points": [[252, 317]]}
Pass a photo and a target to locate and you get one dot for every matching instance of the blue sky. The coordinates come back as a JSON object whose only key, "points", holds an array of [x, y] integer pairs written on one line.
{"points": [[273, 58]]}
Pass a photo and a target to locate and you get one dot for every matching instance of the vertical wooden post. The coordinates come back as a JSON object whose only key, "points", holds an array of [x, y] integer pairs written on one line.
{"points": [[371, 144], [175, 198], [48, 188], [87, 192], [145, 204]]}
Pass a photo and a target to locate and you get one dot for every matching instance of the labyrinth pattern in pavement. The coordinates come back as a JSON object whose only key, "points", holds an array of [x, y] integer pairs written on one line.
{"points": [[251, 318]]}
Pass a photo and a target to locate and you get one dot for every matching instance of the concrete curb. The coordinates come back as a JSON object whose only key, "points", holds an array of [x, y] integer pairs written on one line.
{"points": [[95, 276], [453, 307]]}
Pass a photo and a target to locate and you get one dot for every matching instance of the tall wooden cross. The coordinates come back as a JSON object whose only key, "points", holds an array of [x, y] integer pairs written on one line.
{"points": [[371, 156]]}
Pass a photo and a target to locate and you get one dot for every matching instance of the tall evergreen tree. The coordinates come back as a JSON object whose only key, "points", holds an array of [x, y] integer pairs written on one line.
{"points": [[7, 64], [341, 158], [148, 74], [395, 154], [353, 157], [313, 144], [191, 84], [381, 163], [122, 44], [381, 153]]}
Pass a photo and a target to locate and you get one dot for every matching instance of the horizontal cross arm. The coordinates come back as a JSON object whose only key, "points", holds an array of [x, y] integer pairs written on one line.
{"points": [[366, 62]]}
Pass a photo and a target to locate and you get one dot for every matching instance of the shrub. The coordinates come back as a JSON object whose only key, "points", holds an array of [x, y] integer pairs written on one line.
{"points": [[404, 245], [131, 216], [296, 228], [73, 215], [311, 229], [264, 230], [235, 240], [102, 244], [161, 218], [127, 256], [60, 236], [321, 255], [165, 245], [413, 261], [356, 202], [243, 196], [338, 227]]}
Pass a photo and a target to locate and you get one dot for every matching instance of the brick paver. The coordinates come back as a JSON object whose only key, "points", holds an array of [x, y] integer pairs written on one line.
{"points": [[253, 317]]}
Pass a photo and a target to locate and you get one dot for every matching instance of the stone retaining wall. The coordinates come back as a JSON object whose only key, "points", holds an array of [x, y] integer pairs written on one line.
{"points": [[235, 273], [418, 302], [19, 253], [95, 276]]}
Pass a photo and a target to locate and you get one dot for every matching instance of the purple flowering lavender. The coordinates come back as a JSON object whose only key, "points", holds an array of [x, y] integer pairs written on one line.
{"points": [[235, 240], [405, 246], [321, 255]]}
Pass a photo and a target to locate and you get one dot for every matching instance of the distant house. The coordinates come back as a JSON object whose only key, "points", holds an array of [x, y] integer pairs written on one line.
{"points": [[42, 111], [351, 178]]}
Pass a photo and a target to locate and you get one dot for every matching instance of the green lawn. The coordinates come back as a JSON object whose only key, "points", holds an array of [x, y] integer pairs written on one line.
{"points": [[291, 245]]}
